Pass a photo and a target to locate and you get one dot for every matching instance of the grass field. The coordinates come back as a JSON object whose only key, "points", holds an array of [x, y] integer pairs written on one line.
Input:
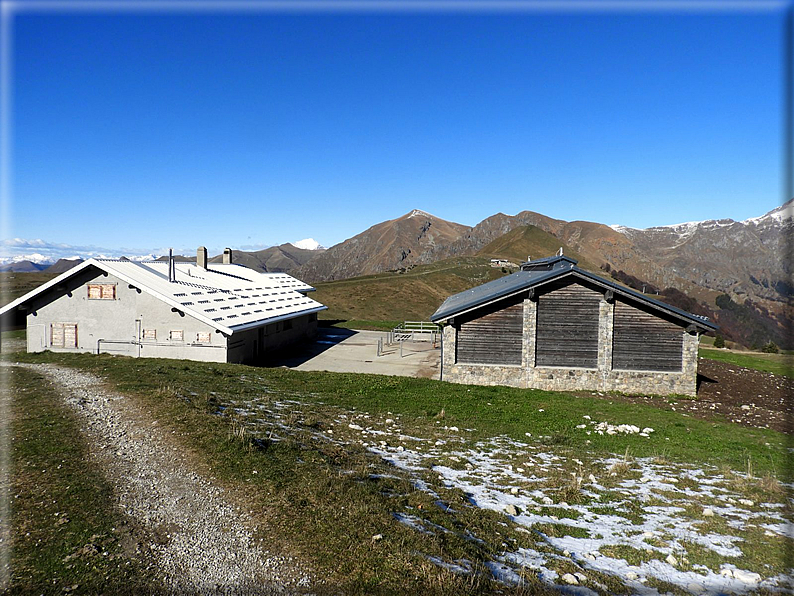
{"points": [[359, 324], [410, 296], [15, 285], [391, 484], [58, 543], [779, 364]]}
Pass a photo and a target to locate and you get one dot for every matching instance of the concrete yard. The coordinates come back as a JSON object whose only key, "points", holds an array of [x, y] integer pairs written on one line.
{"points": [[345, 350]]}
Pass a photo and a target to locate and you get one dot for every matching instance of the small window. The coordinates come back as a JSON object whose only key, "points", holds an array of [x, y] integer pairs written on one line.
{"points": [[150, 334], [63, 335], [101, 291], [287, 324], [203, 337], [176, 335]]}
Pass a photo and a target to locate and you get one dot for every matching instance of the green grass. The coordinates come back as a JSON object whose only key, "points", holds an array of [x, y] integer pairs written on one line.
{"points": [[489, 410], [359, 324], [324, 501], [779, 364], [15, 285], [410, 296], [59, 543], [312, 499]]}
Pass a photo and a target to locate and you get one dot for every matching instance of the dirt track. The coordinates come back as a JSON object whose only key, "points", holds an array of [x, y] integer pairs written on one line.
{"points": [[201, 543]]}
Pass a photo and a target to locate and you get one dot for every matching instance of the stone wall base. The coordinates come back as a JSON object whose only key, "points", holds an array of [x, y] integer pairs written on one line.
{"points": [[572, 379]]}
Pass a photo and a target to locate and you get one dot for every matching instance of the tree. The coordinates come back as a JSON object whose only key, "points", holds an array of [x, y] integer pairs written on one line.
{"points": [[770, 348], [719, 342]]}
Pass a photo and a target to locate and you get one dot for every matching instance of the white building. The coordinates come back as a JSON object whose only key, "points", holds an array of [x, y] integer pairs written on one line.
{"points": [[218, 312]]}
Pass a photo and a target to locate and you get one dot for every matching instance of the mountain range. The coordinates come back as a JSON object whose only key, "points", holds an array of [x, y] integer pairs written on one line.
{"points": [[744, 258], [738, 272]]}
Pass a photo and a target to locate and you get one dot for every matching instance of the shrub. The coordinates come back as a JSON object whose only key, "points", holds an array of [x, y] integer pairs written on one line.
{"points": [[770, 348], [719, 342]]}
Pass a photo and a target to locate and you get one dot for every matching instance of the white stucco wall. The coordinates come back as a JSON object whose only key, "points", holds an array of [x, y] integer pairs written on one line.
{"points": [[116, 326]]}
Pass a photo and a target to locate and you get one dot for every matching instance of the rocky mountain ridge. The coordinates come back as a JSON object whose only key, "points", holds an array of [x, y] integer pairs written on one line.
{"points": [[739, 258], [389, 245], [745, 258]]}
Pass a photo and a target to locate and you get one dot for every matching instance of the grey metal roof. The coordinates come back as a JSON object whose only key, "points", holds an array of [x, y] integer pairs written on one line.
{"points": [[540, 271], [502, 287]]}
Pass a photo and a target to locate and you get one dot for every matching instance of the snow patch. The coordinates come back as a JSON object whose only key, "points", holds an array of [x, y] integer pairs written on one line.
{"points": [[308, 244]]}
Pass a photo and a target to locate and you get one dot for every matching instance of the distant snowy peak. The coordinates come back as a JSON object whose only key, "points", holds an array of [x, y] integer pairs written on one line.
{"points": [[777, 216], [37, 258], [43, 253], [418, 213], [308, 244]]}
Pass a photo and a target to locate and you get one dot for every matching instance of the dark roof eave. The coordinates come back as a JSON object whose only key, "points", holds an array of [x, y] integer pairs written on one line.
{"points": [[263, 322], [643, 298], [442, 315]]}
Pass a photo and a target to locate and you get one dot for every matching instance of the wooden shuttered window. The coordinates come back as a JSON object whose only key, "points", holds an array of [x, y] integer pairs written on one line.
{"points": [[643, 341], [493, 335], [101, 291], [567, 326], [63, 335]]}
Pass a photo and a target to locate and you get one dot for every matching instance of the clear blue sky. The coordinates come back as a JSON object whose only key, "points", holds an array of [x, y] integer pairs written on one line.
{"points": [[261, 127]]}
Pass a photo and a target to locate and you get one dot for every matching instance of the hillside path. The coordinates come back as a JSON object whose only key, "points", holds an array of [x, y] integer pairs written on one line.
{"points": [[203, 544]]}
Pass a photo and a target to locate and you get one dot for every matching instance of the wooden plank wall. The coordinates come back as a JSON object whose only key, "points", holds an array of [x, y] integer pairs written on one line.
{"points": [[643, 341], [567, 326], [493, 335]]}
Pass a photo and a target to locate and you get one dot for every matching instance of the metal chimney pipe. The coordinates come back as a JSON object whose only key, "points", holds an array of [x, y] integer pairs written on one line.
{"points": [[201, 257], [227, 256], [170, 264]]}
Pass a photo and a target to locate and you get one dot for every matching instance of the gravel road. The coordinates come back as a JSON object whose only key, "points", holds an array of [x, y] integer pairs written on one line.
{"points": [[202, 544]]}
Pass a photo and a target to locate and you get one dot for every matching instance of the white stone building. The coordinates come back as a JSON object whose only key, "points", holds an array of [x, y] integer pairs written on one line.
{"points": [[218, 312]]}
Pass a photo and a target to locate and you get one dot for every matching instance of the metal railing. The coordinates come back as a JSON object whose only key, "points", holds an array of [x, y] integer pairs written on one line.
{"points": [[415, 331]]}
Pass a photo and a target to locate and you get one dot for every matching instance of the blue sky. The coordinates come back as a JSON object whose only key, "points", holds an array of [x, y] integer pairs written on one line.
{"points": [[179, 128]]}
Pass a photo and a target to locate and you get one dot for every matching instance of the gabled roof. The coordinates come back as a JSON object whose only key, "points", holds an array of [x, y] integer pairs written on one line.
{"points": [[539, 272], [227, 297]]}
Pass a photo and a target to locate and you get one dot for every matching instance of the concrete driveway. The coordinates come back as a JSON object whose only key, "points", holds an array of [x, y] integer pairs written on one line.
{"points": [[345, 350]]}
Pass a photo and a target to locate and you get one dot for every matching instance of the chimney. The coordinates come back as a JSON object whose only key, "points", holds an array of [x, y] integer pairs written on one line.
{"points": [[227, 256], [201, 257], [171, 264]]}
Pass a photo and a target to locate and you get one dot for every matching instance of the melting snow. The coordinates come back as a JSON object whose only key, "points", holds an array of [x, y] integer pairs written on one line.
{"points": [[489, 483]]}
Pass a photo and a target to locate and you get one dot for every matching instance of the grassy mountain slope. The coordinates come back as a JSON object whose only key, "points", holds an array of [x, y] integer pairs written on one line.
{"points": [[413, 295], [274, 259], [526, 241]]}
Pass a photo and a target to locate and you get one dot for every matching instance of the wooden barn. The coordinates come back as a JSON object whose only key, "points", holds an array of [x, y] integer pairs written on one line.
{"points": [[555, 326]]}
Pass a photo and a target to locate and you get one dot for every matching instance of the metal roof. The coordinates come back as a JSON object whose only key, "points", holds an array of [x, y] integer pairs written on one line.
{"points": [[538, 272], [228, 297]]}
